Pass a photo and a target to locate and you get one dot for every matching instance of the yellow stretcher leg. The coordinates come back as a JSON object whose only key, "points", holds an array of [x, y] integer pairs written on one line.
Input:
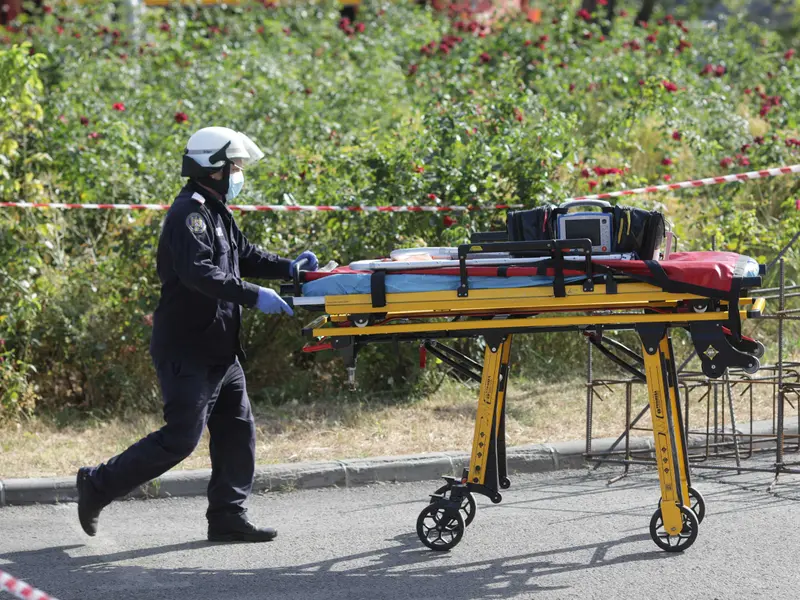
{"points": [[674, 525], [487, 467]]}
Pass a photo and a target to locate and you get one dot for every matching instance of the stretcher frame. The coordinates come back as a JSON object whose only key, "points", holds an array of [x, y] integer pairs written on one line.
{"points": [[605, 300]]}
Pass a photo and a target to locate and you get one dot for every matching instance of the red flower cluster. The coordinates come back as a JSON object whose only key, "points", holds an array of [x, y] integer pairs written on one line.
{"points": [[485, 57], [602, 172], [683, 45], [718, 70], [518, 115], [726, 162], [676, 135], [351, 30], [669, 86], [793, 142], [412, 69], [768, 103], [84, 121], [448, 221], [633, 45], [666, 162], [181, 117], [652, 37], [743, 160], [472, 27], [447, 43], [165, 27], [584, 14], [789, 54], [119, 106]]}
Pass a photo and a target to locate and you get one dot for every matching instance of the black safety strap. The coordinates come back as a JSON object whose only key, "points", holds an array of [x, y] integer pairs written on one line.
{"points": [[377, 288]]}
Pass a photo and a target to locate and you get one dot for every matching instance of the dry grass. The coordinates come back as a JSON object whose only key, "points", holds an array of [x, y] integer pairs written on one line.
{"points": [[342, 429]]}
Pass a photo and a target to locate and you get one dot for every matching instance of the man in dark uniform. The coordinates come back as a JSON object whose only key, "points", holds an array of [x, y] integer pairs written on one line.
{"points": [[195, 346]]}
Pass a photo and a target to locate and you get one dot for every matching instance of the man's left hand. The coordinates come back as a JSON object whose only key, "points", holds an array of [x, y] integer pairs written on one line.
{"points": [[311, 265]]}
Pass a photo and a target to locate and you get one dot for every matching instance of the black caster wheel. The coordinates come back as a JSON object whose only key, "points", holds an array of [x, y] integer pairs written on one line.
{"points": [[468, 505], [440, 528], [505, 483], [675, 543], [753, 367], [698, 504], [362, 320]]}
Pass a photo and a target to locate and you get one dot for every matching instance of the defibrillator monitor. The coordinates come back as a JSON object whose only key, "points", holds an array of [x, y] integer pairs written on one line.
{"points": [[593, 225]]}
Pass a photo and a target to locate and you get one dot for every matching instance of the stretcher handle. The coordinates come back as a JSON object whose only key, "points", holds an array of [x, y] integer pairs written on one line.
{"points": [[573, 203], [298, 290]]}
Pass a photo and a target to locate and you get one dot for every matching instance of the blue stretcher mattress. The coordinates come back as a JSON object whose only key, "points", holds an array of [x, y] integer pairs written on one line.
{"points": [[359, 283]]}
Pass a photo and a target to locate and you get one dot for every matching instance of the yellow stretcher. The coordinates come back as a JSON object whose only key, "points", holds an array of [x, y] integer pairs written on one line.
{"points": [[605, 300]]}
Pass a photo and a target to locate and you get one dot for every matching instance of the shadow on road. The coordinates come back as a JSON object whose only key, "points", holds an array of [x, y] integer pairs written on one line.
{"points": [[403, 569]]}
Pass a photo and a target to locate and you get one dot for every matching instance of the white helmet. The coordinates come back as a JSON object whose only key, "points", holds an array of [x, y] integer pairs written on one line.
{"points": [[211, 148]]}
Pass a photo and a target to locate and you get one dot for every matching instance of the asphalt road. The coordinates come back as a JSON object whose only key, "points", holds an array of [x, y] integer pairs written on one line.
{"points": [[560, 535]]}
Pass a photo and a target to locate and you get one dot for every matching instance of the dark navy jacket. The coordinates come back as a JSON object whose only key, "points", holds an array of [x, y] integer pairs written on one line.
{"points": [[202, 257]]}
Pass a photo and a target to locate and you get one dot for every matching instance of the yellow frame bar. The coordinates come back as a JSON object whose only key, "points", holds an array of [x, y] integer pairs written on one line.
{"points": [[526, 323]]}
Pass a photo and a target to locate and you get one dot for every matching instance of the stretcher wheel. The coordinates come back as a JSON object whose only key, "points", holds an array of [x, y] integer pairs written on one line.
{"points": [[468, 505], [752, 368], [675, 543], [362, 320], [440, 527], [698, 504], [759, 351], [505, 483]]}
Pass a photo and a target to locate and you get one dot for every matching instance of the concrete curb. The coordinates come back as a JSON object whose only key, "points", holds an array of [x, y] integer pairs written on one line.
{"points": [[535, 458]]}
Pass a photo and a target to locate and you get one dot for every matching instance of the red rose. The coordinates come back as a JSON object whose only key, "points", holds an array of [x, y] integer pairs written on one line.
{"points": [[528, 43], [448, 221], [797, 204], [726, 162], [641, 82], [47, 9], [793, 142], [432, 197], [666, 162], [181, 117], [667, 177], [84, 121], [485, 57], [765, 108], [571, 87], [360, 27], [789, 54], [584, 14], [308, 91], [412, 69], [676, 135], [94, 135], [119, 106], [759, 140], [651, 38], [748, 91], [165, 27], [743, 160], [720, 70], [592, 184], [419, 169], [707, 70], [669, 86], [585, 174]]}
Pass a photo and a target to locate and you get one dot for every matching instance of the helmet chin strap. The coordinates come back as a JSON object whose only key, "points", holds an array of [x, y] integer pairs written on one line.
{"points": [[220, 186]]}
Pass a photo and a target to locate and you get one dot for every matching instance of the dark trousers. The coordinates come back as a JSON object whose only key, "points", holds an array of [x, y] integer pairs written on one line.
{"points": [[194, 396]]}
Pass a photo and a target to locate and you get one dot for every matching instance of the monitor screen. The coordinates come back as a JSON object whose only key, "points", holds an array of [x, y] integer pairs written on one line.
{"points": [[583, 228]]}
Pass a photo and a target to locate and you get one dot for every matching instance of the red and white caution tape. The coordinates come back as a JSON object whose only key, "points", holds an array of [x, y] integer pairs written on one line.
{"points": [[421, 209], [272, 207], [694, 183], [21, 589]]}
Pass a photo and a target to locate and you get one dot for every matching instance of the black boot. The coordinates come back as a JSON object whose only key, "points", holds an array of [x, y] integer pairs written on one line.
{"points": [[236, 528], [89, 502]]}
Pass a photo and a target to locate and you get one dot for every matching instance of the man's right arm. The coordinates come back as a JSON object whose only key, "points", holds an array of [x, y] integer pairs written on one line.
{"points": [[192, 252]]}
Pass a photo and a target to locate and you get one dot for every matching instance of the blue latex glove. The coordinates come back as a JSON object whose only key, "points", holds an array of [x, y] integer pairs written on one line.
{"points": [[311, 265], [270, 303]]}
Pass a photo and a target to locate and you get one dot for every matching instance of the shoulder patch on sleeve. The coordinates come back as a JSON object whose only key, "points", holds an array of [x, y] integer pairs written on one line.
{"points": [[196, 223], [198, 197]]}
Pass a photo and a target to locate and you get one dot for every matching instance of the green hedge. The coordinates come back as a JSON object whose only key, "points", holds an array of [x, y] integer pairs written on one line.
{"points": [[409, 108]]}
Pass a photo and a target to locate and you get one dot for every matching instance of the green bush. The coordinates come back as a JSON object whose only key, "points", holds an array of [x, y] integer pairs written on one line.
{"points": [[415, 109]]}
